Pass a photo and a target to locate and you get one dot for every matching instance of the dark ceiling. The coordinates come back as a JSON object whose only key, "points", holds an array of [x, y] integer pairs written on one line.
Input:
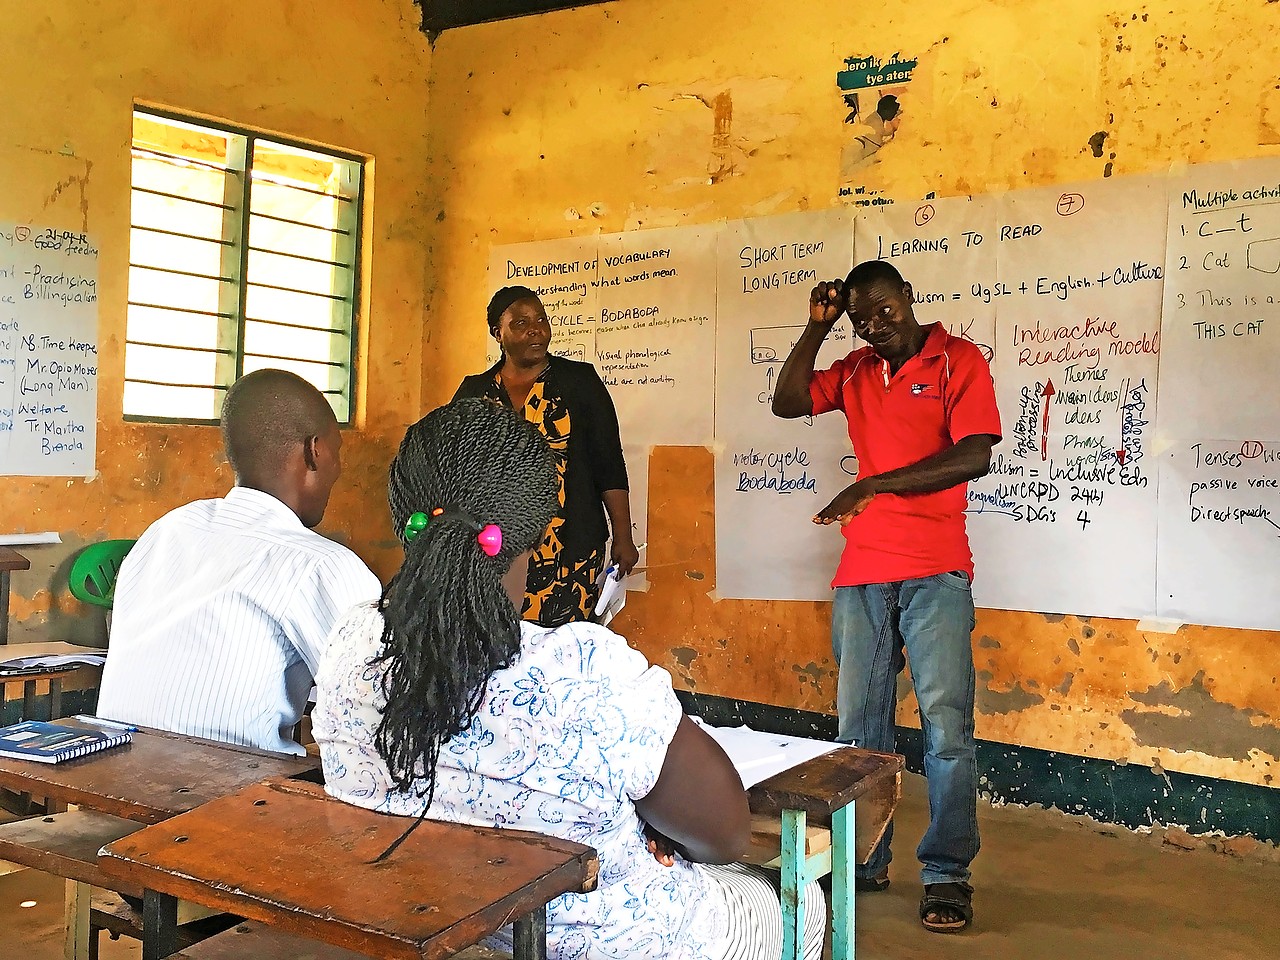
{"points": [[438, 15]]}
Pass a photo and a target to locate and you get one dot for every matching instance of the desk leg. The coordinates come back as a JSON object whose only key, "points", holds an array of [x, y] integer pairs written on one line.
{"points": [[4, 606], [794, 877], [75, 945], [159, 925], [843, 859], [530, 936]]}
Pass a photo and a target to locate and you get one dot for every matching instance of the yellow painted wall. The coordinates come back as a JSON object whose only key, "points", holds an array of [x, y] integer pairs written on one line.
{"points": [[349, 75], [647, 113], [641, 113]]}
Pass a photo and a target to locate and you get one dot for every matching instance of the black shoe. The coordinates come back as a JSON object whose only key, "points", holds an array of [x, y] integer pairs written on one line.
{"points": [[876, 884]]}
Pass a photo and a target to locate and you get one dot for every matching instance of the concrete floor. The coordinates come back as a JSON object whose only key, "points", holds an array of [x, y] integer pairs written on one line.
{"points": [[1047, 887]]}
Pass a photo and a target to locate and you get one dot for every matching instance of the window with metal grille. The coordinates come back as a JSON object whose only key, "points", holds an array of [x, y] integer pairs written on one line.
{"points": [[244, 253]]}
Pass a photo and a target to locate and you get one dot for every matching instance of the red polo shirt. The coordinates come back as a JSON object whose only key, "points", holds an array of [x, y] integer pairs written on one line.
{"points": [[940, 396]]}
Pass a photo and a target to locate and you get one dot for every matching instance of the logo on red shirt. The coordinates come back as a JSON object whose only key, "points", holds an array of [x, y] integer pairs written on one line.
{"points": [[919, 390]]}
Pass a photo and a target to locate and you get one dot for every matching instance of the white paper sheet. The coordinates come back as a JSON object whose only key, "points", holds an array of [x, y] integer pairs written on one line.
{"points": [[28, 539], [1065, 522], [48, 351], [613, 597], [773, 475], [758, 756]]}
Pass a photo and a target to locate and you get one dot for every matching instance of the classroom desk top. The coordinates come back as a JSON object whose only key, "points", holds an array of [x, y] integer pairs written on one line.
{"points": [[831, 781], [828, 782], [285, 853], [157, 776], [11, 559]]}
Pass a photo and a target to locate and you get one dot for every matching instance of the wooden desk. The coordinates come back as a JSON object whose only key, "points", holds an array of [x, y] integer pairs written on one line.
{"points": [[157, 776], [284, 853], [844, 788], [10, 560], [29, 680], [66, 845]]}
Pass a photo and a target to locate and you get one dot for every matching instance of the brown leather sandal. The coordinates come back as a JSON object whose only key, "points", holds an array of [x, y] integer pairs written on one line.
{"points": [[953, 901]]}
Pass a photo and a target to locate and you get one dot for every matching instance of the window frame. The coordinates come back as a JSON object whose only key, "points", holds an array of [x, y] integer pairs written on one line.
{"points": [[235, 355]]}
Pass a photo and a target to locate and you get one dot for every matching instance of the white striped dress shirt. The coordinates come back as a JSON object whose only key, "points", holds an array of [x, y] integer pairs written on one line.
{"points": [[221, 613]]}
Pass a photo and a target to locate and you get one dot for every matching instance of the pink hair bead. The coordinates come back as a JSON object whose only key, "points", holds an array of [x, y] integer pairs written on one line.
{"points": [[490, 539]]}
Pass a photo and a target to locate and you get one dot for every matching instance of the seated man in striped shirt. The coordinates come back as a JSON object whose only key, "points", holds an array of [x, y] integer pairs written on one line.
{"points": [[223, 606]]}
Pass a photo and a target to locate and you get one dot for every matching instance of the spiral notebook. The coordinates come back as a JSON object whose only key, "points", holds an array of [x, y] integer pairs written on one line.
{"points": [[53, 743]]}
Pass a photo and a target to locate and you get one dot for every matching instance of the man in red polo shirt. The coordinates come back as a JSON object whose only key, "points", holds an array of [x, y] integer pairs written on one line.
{"points": [[922, 417]]}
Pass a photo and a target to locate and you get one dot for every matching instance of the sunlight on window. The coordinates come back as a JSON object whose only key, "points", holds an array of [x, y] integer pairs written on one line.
{"points": [[243, 255]]}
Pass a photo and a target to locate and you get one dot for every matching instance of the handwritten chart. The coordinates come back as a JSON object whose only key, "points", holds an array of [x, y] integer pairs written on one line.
{"points": [[656, 332], [1218, 427], [1091, 301], [654, 338], [1072, 489], [1220, 329], [48, 351], [773, 475], [1220, 533]]}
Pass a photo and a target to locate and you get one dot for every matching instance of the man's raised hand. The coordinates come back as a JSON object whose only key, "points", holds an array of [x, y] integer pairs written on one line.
{"points": [[826, 302]]}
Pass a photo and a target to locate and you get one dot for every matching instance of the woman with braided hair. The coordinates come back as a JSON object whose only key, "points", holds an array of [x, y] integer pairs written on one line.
{"points": [[569, 404], [439, 701]]}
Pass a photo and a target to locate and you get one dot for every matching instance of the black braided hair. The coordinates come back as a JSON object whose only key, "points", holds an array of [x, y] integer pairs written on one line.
{"points": [[449, 623]]}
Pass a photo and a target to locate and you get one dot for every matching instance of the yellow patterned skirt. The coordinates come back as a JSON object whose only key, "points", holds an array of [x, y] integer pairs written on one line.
{"points": [[560, 588]]}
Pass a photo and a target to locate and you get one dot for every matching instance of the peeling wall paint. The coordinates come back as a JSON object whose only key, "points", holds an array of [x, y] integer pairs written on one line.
{"points": [[321, 71], [990, 700], [1192, 716], [622, 115]]}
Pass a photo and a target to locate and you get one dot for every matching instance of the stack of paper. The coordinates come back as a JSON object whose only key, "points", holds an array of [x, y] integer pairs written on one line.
{"points": [[758, 756], [22, 658], [613, 597]]}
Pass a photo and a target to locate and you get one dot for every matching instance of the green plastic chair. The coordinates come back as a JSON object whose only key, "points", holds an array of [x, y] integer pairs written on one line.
{"points": [[93, 573]]}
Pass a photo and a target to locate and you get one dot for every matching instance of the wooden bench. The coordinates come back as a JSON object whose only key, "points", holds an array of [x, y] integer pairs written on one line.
{"points": [[66, 845], [852, 791], [286, 854]]}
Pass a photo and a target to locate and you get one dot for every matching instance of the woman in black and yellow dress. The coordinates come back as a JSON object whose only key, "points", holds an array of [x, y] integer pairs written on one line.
{"points": [[567, 401]]}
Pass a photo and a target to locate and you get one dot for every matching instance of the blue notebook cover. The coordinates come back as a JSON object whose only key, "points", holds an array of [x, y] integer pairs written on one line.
{"points": [[51, 743]]}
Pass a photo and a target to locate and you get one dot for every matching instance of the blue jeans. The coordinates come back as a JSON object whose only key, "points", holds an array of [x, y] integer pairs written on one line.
{"points": [[933, 617]]}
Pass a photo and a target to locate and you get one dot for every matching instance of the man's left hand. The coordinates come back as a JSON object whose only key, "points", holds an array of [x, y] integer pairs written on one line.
{"points": [[850, 502]]}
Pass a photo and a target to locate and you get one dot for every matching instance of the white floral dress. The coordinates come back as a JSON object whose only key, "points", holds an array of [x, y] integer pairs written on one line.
{"points": [[565, 739]]}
